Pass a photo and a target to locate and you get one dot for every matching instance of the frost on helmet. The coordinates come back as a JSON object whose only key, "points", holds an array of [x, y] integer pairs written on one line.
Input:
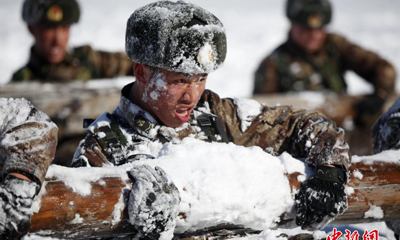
{"points": [[386, 130], [177, 36]]}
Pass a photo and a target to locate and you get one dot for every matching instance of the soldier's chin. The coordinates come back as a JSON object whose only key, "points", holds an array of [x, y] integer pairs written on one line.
{"points": [[55, 58], [313, 48]]}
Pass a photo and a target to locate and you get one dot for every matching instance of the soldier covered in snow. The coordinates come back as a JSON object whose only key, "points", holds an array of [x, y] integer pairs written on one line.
{"points": [[28, 142], [175, 45], [49, 22], [314, 60], [386, 136]]}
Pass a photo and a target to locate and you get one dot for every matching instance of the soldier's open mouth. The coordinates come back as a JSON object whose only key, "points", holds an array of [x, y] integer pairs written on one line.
{"points": [[183, 114], [55, 50]]}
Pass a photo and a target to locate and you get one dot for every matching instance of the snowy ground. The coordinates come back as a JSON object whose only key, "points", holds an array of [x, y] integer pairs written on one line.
{"points": [[254, 28]]}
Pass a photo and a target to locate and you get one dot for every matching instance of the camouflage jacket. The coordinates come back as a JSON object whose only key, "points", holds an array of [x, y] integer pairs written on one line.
{"points": [[289, 68], [128, 133], [28, 139], [81, 63]]}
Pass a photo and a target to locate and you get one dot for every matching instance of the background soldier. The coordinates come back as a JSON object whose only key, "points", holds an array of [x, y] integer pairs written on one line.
{"points": [[28, 142], [175, 45], [312, 59], [49, 23]]}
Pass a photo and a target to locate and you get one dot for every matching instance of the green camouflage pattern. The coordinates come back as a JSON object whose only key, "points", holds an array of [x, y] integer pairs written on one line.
{"points": [[81, 63], [289, 68], [304, 134]]}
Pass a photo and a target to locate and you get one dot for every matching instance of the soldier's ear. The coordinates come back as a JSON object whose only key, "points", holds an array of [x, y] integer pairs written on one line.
{"points": [[139, 71]]}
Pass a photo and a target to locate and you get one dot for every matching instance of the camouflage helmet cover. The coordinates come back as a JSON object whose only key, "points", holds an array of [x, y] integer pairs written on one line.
{"points": [[177, 36], [313, 14], [51, 12]]}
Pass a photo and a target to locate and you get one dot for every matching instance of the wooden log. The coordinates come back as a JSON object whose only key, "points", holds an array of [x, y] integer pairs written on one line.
{"points": [[67, 105], [67, 214]]}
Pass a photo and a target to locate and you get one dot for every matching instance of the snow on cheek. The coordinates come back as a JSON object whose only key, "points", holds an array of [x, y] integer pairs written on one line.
{"points": [[160, 89], [154, 95], [156, 86]]}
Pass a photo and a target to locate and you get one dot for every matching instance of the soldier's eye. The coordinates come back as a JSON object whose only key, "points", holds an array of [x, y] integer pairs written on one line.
{"points": [[202, 79], [177, 81]]}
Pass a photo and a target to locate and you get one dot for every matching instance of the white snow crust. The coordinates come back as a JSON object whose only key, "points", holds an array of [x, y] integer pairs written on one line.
{"points": [[388, 156], [374, 212], [233, 184], [79, 179], [247, 110], [358, 174]]}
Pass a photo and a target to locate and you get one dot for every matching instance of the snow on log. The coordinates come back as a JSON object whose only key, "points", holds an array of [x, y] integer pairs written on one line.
{"points": [[236, 188]]}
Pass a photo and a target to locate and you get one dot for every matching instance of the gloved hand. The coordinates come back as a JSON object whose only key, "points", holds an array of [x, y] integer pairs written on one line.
{"points": [[321, 198], [153, 202], [16, 197], [366, 108]]}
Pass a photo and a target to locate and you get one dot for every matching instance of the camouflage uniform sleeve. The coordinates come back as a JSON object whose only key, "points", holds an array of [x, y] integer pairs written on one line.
{"points": [[28, 139], [266, 78], [22, 74], [304, 134], [90, 154], [110, 64], [367, 64]]}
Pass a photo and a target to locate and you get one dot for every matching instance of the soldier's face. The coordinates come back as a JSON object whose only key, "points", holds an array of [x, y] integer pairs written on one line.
{"points": [[171, 96], [310, 40], [51, 41]]}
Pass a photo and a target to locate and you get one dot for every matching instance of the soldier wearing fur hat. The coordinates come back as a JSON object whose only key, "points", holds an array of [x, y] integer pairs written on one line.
{"points": [[49, 22], [175, 46], [314, 60]]}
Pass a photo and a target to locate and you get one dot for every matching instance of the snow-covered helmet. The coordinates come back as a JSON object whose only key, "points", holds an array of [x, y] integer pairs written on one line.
{"points": [[50, 12], [313, 14], [177, 36]]}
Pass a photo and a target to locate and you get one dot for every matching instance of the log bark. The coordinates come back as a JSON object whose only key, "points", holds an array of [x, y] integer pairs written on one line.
{"points": [[66, 214]]}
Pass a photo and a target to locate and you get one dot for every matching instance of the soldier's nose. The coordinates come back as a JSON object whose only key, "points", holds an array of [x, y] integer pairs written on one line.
{"points": [[187, 97]]}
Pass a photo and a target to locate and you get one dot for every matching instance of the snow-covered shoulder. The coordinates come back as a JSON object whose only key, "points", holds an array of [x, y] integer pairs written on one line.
{"points": [[247, 110]]}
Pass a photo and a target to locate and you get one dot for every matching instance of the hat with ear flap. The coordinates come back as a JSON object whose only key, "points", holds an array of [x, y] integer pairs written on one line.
{"points": [[177, 36]]}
